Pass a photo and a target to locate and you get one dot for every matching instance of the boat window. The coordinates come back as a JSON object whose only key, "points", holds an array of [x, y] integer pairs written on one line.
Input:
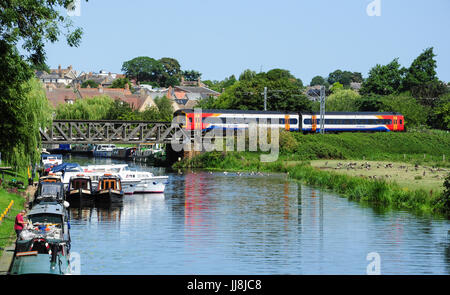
{"points": [[50, 190], [45, 218], [80, 183]]}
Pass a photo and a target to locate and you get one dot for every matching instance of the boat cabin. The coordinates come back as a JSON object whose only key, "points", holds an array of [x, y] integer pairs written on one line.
{"points": [[109, 181], [51, 178], [49, 192], [80, 182]]}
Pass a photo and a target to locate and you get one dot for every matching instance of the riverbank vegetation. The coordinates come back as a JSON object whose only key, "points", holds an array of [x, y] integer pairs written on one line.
{"points": [[7, 233], [299, 155]]}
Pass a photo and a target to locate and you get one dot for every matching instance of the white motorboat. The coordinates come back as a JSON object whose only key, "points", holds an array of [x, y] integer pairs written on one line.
{"points": [[132, 181]]}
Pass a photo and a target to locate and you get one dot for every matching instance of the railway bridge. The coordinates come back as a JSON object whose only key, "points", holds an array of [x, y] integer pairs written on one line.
{"points": [[125, 132]]}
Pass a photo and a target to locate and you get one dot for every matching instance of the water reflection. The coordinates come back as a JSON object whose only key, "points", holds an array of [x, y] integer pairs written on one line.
{"points": [[216, 223]]}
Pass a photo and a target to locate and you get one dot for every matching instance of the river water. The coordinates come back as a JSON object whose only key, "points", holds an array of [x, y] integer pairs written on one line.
{"points": [[218, 223]]}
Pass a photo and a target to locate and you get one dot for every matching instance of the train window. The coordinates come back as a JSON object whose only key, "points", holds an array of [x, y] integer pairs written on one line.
{"points": [[307, 121], [401, 121], [293, 121]]}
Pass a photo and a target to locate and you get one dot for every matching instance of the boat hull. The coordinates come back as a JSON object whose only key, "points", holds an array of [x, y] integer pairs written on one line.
{"points": [[109, 196], [155, 184], [80, 196]]}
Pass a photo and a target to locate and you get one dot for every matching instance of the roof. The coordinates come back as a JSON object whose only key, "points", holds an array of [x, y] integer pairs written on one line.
{"points": [[197, 89], [237, 112], [47, 208], [355, 113]]}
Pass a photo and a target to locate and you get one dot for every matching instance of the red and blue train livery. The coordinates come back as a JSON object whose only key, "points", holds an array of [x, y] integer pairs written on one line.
{"points": [[304, 122]]}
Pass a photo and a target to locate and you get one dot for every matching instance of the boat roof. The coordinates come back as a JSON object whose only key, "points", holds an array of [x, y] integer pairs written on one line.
{"points": [[51, 208], [34, 264], [67, 167]]}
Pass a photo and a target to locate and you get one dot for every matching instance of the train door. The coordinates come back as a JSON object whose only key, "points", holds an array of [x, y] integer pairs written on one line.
{"points": [[395, 123], [314, 123], [287, 126]]}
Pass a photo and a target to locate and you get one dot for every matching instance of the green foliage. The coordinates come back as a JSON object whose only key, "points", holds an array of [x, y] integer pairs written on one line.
{"points": [[90, 83], [415, 114], [34, 112], [344, 77], [143, 68], [384, 80], [343, 100], [120, 83], [191, 75], [165, 108], [284, 93], [319, 80], [421, 76], [105, 108], [336, 87], [95, 108], [219, 86], [441, 114]]}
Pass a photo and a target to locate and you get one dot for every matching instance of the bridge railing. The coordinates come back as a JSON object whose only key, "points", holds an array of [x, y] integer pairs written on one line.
{"points": [[91, 132]]}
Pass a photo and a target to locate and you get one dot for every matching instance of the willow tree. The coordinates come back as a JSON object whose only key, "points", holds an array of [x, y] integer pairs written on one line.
{"points": [[36, 113], [31, 24], [94, 108]]}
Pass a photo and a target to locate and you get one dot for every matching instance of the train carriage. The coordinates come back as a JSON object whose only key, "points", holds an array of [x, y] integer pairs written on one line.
{"points": [[206, 120], [354, 122], [235, 119]]}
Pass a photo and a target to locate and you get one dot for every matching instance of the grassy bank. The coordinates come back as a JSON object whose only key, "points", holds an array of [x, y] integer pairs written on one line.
{"points": [[298, 152], [7, 233]]}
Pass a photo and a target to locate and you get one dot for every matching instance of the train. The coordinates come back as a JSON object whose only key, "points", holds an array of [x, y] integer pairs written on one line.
{"points": [[335, 122]]}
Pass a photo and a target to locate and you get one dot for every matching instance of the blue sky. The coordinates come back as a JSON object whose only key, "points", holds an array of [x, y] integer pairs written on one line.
{"points": [[221, 38]]}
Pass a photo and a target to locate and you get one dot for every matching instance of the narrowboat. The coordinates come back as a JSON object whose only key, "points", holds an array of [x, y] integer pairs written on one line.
{"points": [[103, 150], [80, 189], [41, 256], [109, 189], [49, 192]]}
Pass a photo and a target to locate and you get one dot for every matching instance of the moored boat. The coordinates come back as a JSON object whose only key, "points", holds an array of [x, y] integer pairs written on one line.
{"points": [[109, 189], [80, 190], [103, 150]]}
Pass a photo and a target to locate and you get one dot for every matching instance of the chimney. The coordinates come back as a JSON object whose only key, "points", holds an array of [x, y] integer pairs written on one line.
{"points": [[182, 80], [59, 71], [169, 92]]}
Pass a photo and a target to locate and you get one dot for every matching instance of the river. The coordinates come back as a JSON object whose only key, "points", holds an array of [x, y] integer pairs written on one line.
{"points": [[230, 224]]}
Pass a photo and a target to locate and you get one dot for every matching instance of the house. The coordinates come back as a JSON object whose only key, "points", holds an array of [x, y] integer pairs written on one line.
{"points": [[58, 77], [103, 78]]}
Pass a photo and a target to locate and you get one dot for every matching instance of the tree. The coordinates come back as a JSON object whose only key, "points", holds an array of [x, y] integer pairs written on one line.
{"points": [[384, 80], [31, 23], [284, 93], [344, 77], [342, 100], [171, 72], [120, 83], [421, 73], [318, 80], [143, 68], [415, 114], [247, 75], [95, 108], [90, 83], [165, 108], [191, 75]]}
